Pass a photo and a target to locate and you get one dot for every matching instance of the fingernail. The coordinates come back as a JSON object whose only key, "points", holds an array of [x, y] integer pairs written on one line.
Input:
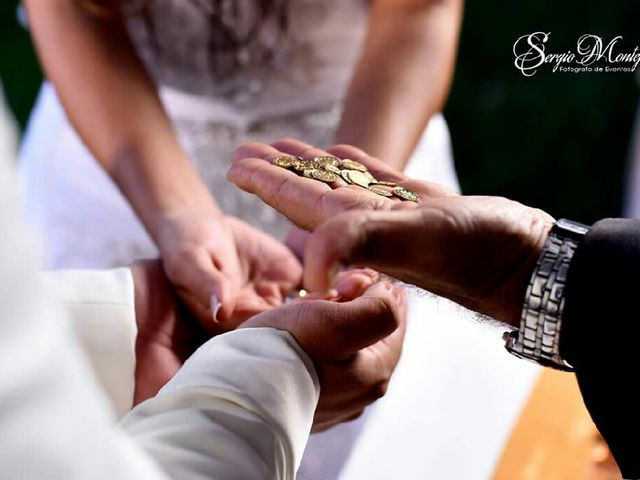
{"points": [[215, 307]]}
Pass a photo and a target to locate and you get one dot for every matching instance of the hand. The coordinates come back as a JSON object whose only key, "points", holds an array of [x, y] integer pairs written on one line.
{"points": [[224, 270], [355, 343], [308, 203], [167, 334], [477, 251]]}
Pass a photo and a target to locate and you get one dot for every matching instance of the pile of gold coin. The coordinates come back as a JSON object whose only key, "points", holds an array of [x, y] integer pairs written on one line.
{"points": [[329, 169]]}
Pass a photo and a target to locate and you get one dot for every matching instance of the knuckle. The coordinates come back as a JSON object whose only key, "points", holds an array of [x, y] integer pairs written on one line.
{"points": [[175, 262], [251, 146], [378, 389]]}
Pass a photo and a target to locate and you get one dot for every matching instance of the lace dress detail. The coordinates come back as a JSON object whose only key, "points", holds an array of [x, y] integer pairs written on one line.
{"points": [[295, 93]]}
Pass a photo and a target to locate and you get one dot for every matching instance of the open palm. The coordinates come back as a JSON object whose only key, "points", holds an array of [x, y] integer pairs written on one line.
{"points": [[307, 202]]}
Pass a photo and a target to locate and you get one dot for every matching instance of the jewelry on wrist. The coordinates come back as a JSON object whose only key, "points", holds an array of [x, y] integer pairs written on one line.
{"points": [[538, 338]]}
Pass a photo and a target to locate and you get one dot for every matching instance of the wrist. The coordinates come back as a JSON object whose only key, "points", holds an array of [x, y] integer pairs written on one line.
{"points": [[161, 183], [510, 304], [153, 295], [541, 324]]}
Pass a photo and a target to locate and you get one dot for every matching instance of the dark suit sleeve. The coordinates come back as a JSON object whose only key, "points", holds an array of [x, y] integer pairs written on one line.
{"points": [[601, 334]]}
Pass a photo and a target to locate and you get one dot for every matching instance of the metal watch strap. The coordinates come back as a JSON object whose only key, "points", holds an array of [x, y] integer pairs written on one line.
{"points": [[540, 325]]}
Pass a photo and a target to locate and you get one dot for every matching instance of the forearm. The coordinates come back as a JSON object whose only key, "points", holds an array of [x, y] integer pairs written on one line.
{"points": [[403, 76], [114, 105]]}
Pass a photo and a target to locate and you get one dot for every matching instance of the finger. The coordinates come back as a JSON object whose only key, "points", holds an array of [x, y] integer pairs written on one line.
{"points": [[352, 283], [389, 242], [363, 322], [383, 171], [255, 150], [296, 241], [378, 168], [300, 199], [304, 201], [197, 274], [333, 331], [323, 422], [266, 260], [291, 146]]}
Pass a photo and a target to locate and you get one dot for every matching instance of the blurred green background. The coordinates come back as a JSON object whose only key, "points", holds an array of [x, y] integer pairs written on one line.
{"points": [[556, 141], [19, 68]]}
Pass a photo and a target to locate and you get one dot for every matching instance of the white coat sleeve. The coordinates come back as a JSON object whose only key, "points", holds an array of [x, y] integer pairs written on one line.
{"points": [[255, 392], [101, 307]]}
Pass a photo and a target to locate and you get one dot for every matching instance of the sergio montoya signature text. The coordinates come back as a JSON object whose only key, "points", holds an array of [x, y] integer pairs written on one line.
{"points": [[592, 54]]}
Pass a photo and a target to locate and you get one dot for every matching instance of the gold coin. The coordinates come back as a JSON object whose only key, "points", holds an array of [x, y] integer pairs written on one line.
{"points": [[353, 165], [345, 174], [299, 166], [284, 162], [380, 191], [324, 176], [370, 177], [332, 168], [303, 165], [309, 172], [405, 194], [327, 160], [384, 183], [358, 178]]}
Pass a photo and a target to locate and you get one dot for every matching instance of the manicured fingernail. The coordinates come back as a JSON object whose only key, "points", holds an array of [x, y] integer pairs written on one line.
{"points": [[215, 307]]}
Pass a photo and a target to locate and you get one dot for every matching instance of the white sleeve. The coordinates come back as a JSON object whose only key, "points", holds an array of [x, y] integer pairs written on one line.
{"points": [[101, 307], [251, 395], [260, 376], [55, 421], [255, 392]]}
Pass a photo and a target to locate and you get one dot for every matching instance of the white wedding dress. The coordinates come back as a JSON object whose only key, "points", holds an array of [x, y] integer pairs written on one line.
{"points": [[456, 393]]}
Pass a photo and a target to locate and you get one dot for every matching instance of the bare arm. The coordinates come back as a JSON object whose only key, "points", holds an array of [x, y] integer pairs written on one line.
{"points": [[403, 76], [114, 105]]}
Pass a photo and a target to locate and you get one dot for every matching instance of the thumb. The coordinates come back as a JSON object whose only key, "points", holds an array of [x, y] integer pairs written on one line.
{"points": [[387, 241], [365, 320], [336, 331]]}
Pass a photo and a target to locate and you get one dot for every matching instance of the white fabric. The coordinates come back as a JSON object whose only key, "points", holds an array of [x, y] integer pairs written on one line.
{"points": [[255, 391], [309, 67], [241, 408], [100, 305], [455, 421], [298, 95], [7, 131]]}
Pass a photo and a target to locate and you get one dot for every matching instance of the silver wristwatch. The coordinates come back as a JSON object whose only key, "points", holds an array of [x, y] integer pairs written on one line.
{"points": [[538, 338]]}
